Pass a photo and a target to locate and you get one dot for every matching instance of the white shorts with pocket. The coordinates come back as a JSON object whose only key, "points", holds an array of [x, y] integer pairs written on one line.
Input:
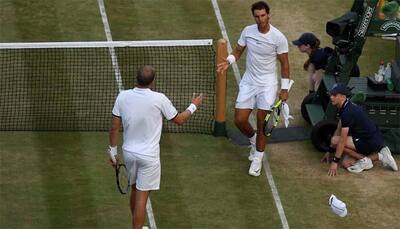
{"points": [[145, 173], [261, 97]]}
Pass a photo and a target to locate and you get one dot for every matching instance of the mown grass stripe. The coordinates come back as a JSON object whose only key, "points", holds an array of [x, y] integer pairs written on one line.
{"points": [[221, 24], [118, 79], [267, 170]]}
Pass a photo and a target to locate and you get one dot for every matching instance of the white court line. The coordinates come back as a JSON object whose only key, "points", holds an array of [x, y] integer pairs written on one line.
{"points": [[225, 36], [235, 67], [150, 215], [267, 169], [118, 79], [275, 193], [114, 59]]}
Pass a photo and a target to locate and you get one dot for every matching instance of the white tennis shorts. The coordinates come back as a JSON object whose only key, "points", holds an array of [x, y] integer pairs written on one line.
{"points": [[261, 97], [145, 173]]}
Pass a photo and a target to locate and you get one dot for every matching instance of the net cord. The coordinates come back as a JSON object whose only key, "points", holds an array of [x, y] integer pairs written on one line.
{"points": [[106, 44]]}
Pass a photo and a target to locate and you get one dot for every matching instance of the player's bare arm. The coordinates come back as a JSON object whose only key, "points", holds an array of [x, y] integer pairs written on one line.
{"points": [[284, 60], [113, 138], [234, 56], [182, 117]]}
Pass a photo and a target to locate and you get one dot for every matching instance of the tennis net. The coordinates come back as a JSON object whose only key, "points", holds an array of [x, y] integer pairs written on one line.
{"points": [[72, 86]]}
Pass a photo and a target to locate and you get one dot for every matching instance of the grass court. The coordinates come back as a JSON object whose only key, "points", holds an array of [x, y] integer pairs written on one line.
{"points": [[63, 180]]}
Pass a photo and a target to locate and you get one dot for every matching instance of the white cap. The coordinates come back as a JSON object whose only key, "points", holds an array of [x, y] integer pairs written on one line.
{"points": [[337, 206]]}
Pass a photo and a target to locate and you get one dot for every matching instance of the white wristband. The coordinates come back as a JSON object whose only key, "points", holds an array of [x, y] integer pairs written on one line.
{"points": [[231, 59], [192, 108], [285, 84], [112, 150]]}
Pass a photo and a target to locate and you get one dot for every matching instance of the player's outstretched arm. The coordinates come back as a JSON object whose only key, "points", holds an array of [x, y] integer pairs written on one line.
{"points": [[182, 117], [232, 58]]}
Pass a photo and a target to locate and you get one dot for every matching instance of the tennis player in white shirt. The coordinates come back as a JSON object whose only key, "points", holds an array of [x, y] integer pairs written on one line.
{"points": [[140, 112], [259, 85]]}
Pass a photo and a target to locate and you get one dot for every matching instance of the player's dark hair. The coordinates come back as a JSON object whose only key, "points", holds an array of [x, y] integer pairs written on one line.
{"points": [[145, 75], [259, 6]]}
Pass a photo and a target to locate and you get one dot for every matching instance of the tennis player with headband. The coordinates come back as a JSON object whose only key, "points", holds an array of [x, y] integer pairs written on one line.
{"points": [[140, 112], [259, 85]]}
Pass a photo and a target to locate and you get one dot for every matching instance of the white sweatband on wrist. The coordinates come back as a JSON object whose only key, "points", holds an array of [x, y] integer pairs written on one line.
{"points": [[112, 152], [285, 84], [231, 59], [192, 108]]}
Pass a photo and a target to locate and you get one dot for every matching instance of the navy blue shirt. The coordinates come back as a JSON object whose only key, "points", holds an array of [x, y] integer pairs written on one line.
{"points": [[320, 59], [366, 136], [356, 119]]}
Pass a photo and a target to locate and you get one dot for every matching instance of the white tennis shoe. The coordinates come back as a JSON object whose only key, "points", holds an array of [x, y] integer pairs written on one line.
{"points": [[387, 158], [255, 167], [360, 165]]}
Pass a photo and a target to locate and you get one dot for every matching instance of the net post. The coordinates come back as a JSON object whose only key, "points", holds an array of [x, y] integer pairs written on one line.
{"points": [[219, 124]]}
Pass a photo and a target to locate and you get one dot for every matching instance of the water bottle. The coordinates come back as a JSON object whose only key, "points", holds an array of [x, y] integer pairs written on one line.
{"points": [[381, 70], [379, 76], [388, 72], [389, 85]]}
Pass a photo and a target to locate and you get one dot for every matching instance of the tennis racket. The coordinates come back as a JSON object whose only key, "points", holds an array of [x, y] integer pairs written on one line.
{"points": [[272, 118], [121, 174]]}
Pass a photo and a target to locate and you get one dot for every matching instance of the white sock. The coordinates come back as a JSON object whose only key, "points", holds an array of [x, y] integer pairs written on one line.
{"points": [[380, 156], [253, 139], [259, 154]]}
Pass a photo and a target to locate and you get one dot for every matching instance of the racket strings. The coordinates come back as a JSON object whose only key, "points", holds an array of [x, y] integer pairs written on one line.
{"points": [[270, 123], [272, 120], [123, 179], [275, 116]]}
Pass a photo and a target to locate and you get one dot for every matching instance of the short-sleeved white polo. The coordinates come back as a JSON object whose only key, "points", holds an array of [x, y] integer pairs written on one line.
{"points": [[142, 111], [262, 50]]}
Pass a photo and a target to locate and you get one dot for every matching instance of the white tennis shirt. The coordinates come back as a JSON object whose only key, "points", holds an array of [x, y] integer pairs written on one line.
{"points": [[142, 111], [262, 50]]}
